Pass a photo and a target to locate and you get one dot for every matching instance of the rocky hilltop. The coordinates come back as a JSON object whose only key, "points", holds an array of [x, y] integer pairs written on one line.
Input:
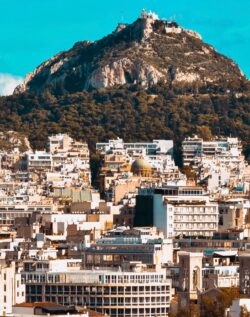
{"points": [[145, 52]]}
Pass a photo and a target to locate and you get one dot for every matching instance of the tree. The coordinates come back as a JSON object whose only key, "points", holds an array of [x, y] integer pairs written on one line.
{"points": [[204, 132]]}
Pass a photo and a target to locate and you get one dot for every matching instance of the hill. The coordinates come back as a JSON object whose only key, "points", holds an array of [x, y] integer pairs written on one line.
{"points": [[151, 79], [145, 52]]}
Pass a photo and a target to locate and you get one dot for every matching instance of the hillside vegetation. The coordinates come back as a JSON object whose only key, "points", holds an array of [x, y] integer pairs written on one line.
{"points": [[132, 113]]}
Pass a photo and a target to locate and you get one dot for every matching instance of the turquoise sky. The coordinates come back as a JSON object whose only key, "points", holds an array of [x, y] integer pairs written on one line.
{"points": [[33, 30]]}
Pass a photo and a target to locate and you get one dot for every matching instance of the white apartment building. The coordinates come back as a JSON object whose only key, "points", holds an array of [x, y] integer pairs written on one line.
{"points": [[63, 147], [129, 291], [221, 269], [12, 290], [226, 149], [221, 276], [161, 163], [234, 213], [69, 157], [59, 143], [39, 160], [149, 148], [199, 218], [60, 222], [178, 211]]}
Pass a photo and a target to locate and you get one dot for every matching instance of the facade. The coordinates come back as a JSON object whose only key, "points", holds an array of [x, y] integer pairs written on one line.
{"points": [[131, 291], [10, 212], [221, 270], [190, 276], [145, 245], [233, 213], [149, 148], [245, 274], [12, 290], [59, 142], [194, 149], [177, 211], [39, 160]]}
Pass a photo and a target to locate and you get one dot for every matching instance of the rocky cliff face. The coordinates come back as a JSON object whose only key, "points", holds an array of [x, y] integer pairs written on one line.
{"points": [[146, 52], [13, 141]]}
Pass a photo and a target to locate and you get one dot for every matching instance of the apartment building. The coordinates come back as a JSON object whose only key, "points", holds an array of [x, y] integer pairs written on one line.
{"points": [[132, 290], [226, 149], [39, 160], [233, 213], [221, 269], [146, 245], [12, 290], [59, 142], [10, 212], [245, 274], [177, 211], [139, 148]]}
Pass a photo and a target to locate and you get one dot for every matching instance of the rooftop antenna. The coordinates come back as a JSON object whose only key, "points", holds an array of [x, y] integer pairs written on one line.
{"points": [[143, 14]]}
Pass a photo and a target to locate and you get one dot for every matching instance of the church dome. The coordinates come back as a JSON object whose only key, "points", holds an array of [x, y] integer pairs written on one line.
{"points": [[141, 167]]}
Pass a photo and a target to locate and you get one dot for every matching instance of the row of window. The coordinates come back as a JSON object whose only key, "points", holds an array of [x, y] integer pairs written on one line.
{"points": [[203, 226], [95, 302], [99, 290], [197, 218], [206, 209], [132, 278]]}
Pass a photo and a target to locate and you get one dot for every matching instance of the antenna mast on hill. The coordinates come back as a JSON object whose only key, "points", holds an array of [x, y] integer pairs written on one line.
{"points": [[144, 14]]}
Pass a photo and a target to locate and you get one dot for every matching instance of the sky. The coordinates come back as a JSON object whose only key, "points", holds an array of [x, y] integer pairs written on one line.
{"points": [[32, 31]]}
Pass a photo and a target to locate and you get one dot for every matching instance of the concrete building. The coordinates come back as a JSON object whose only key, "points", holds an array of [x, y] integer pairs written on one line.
{"points": [[12, 289], [150, 148], [39, 160], [132, 290], [194, 149], [190, 277], [245, 274], [10, 212], [177, 211], [59, 143], [145, 245], [221, 270], [233, 213]]}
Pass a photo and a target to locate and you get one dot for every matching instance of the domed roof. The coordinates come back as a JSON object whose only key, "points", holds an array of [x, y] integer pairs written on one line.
{"points": [[140, 165]]}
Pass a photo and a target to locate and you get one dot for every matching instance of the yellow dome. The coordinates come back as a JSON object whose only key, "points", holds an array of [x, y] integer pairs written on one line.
{"points": [[141, 167]]}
